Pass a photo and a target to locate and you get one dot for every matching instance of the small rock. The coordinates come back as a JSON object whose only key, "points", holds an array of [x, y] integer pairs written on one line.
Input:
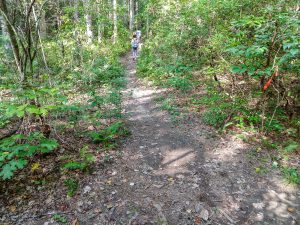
{"points": [[114, 173], [109, 206], [158, 185], [204, 214], [291, 210], [180, 176], [131, 184], [86, 189], [198, 207], [195, 186], [91, 128], [80, 203]]}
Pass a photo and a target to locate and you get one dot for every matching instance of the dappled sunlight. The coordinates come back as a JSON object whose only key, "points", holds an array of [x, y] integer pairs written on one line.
{"points": [[279, 203], [176, 161], [140, 116], [137, 93], [226, 153], [132, 72]]}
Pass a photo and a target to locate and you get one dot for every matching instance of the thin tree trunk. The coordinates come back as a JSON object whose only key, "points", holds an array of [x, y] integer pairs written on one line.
{"points": [[43, 25], [88, 19], [76, 13], [39, 36], [115, 20], [4, 34], [99, 24], [131, 14], [147, 25], [13, 40]]}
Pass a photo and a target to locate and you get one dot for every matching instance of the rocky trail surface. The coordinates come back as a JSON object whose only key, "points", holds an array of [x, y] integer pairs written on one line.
{"points": [[187, 174], [178, 175]]}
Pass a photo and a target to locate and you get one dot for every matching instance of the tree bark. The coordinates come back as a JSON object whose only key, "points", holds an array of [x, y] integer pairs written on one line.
{"points": [[115, 21], [13, 39], [4, 33], [99, 24], [43, 25], [131, 14], [88, 19]]}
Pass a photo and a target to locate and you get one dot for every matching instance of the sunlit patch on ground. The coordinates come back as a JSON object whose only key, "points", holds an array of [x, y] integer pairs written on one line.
{"points": [[176, 161]]}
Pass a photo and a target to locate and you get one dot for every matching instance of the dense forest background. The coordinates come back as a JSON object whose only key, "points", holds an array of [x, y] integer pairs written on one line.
{"points": [[235, 63]]}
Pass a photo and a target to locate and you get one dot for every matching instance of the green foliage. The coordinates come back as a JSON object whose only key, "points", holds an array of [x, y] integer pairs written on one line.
{"points": [[109, 135], [291, 147], [180, 83], [59, 218], [72, 186], [74, 166], [85, 163], [269, 145], [291, 175], [17, 149], [214, 118]]}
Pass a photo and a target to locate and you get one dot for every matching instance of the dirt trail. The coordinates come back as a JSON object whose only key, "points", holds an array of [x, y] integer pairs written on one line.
{"points": [[177, 175], [186, 174]]}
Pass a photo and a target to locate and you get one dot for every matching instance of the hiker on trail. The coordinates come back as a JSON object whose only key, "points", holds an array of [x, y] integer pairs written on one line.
{"points": [[139, 35], [134, 45]]}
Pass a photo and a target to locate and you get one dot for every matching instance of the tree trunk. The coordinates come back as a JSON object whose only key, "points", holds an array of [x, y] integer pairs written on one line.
{"points": [[4, 33], [76, 13], [13, 40], [115, 20], [88, 19], [131, 14], [99, 24], [43, 25]]}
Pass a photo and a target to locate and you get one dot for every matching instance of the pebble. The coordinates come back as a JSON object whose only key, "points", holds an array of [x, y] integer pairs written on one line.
{"points": [[180, 176], [198, 207], [86, 189], [204, 214], [195, 186]]}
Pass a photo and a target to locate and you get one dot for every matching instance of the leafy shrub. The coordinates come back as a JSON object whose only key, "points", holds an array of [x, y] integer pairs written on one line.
{"points": [[60, 219], [180, 83], [86, 160], [291, 146], [15, 151], [110, 134], [214, 118], [291, 175], [72, 186], [170, 107]]}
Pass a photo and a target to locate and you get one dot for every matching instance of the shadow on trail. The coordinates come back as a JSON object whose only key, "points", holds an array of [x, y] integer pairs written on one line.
{"points": [[171, 167]]}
